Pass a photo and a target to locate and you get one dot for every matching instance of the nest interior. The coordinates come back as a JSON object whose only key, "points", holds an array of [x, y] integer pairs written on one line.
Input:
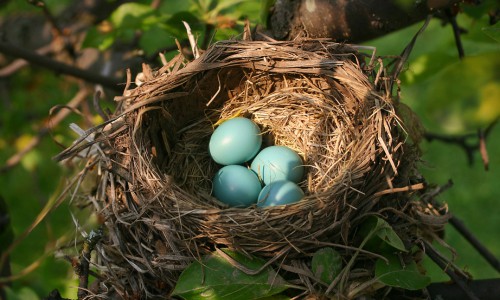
{"points": [[314, 96]]}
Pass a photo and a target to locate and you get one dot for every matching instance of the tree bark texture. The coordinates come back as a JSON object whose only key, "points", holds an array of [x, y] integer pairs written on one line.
{"points": [[348, 20]]}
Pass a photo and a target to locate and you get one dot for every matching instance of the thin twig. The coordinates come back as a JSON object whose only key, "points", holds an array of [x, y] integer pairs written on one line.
{"points": [[464, 142], [83, 266], [68, 47], [97, 106], [482, 134], [463, 230], [207, 36], [155, 4], [471, 238], [50, 17], [405, 55], [462, 284], [53, 121], [192, 40], [414, 187], [20, 63], [152, 57], [460, 140], [51, 64], [457, 31]]}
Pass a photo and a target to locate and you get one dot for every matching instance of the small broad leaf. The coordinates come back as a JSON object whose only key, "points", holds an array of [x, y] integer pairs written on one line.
{"points": [[326, 264], [154, 39], [93, 38], [131, 15], [216, 278], [377, 227], [396, 275]]}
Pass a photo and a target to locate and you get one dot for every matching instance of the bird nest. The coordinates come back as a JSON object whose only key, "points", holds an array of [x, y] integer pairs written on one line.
{"points": [[322, 99]]}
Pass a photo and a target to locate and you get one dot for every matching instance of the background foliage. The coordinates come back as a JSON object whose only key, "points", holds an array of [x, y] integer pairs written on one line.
{"points": [[450, 96]]}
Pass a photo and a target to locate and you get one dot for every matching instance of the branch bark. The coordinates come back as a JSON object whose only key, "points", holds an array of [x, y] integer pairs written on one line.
{"points": [[58, 67], [348, 20]]}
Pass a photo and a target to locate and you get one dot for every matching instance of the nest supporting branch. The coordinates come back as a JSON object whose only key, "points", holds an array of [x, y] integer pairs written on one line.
{"points": [[459, 225], [460, 281]]}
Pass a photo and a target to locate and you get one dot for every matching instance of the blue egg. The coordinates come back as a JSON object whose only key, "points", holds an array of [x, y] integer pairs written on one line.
{"points": [[235, 141], [279, 193], [236, 186], [278, 163]]}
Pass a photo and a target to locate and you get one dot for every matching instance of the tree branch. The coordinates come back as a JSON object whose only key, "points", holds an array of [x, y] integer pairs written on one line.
{"points": [[20, 63], [464, 142], [461, 228], [348, 21], [487, 289], [58, 67], [457, 31], [458, 280], [83, 268]]}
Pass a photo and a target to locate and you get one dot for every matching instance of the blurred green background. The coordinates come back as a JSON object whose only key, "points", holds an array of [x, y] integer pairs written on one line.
{"points": [[450, 96]]}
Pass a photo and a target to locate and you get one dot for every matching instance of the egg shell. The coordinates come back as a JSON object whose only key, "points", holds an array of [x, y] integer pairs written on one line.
{"points": [[235, 141], [279, 193], [236, 186], [278, 163]]}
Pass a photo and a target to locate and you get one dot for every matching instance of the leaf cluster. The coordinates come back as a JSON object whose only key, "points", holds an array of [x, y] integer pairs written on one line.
{"points": [[226, 274], [154, 28]]}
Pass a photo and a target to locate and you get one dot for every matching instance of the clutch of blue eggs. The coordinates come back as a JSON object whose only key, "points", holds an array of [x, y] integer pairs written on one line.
{"points": [[272, 176]]}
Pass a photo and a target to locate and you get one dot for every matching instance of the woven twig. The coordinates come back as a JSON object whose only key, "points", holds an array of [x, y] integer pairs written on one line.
{"points": [[312, 96]]}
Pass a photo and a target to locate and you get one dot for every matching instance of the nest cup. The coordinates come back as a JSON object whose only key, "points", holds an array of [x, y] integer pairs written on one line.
{"points": [[314, 99], [314, 96]]}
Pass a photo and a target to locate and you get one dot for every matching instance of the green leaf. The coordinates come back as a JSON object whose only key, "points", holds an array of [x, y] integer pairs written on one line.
{"points": [[377, 227], [396, 275], [176, 27], [131, 15], [93, 38], [326, 264], [493, 31], [24, 293], [225, 4], [172, 7], [479, 11], [265, 7], [154, 39], [452, 109], [216, 278], [99, 40]]}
